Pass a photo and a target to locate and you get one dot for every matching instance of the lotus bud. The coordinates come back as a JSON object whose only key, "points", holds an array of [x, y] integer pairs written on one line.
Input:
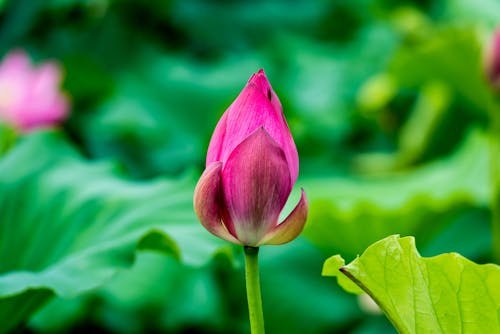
{"points": [[251, 167], [29, 96]]}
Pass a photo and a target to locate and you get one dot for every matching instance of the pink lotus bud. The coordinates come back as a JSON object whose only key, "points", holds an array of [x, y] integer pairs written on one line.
{"points": [[252, 165], [493, 62], [30, 96]]}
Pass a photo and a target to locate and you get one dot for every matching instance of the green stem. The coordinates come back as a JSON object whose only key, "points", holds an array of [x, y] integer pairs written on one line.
{"points": [[253, 290]]}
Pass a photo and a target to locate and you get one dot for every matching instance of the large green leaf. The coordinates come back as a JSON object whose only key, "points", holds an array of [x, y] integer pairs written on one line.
{"points": [[68, 225], [404, 203], [156, 294], [160, 295], [443, 294]]}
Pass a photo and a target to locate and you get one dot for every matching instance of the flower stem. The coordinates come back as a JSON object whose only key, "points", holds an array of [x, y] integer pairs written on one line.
{"points": [[253, 290]]}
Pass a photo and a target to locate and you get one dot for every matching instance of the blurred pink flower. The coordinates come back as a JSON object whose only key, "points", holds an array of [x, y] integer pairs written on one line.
{"points": [[29, 95], [493, 61]]}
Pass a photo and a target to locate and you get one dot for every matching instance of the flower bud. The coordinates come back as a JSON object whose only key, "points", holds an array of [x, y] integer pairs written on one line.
{"points": [[251, 167], [493, 62], [29, 95]]}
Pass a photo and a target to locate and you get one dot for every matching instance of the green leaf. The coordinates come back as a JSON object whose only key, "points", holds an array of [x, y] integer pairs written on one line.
{"points": [[402, 203], [330, 268], [480, 13], [449, 55], [69, 225], [443, 294], [160, 295]]}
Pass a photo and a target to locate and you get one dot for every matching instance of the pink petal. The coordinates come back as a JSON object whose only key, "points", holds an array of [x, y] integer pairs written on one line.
{"points": [[47, 77], [15, 63], [217, 141], [291, 227], [29, 95], [256, 106], [44, 104], [207, 202], [256, 184], [493, 62], [52, 111], [15, 76]]}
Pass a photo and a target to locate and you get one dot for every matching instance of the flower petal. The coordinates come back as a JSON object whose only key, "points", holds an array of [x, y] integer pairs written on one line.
{"points": [[30, 94], [15, 63], [264, 85], [207, 202], [291, 227], [51, 105], [256, 106], [255, 186], [216, 145]]}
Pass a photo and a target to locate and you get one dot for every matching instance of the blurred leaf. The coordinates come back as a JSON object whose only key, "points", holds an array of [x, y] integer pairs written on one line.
{"points": [[159, 294], [239, 25], [8, 137], [452, 56], [296, 299], [87, 80], [20, 19], [68, 310], [69, 225], [375, 325], [468, 234], [430, 107], [417, 202], [68, 3], [477, 12], [441, 294], [416, 135], [148, 124], [318, 84], [14, 310], [376, 93]]}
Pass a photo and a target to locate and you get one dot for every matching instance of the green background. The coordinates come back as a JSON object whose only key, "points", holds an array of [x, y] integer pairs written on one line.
{"points": [[388, 106]]}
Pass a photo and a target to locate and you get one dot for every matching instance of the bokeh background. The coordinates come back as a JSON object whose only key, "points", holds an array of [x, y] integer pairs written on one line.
{"points": [[388, 106]]}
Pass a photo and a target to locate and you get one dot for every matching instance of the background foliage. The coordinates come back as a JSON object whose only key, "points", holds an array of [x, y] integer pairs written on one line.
{"points": [[387, 104]]}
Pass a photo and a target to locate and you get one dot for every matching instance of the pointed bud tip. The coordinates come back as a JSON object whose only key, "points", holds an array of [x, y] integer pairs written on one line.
{"points": [[260, 81], [260, 75]]}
